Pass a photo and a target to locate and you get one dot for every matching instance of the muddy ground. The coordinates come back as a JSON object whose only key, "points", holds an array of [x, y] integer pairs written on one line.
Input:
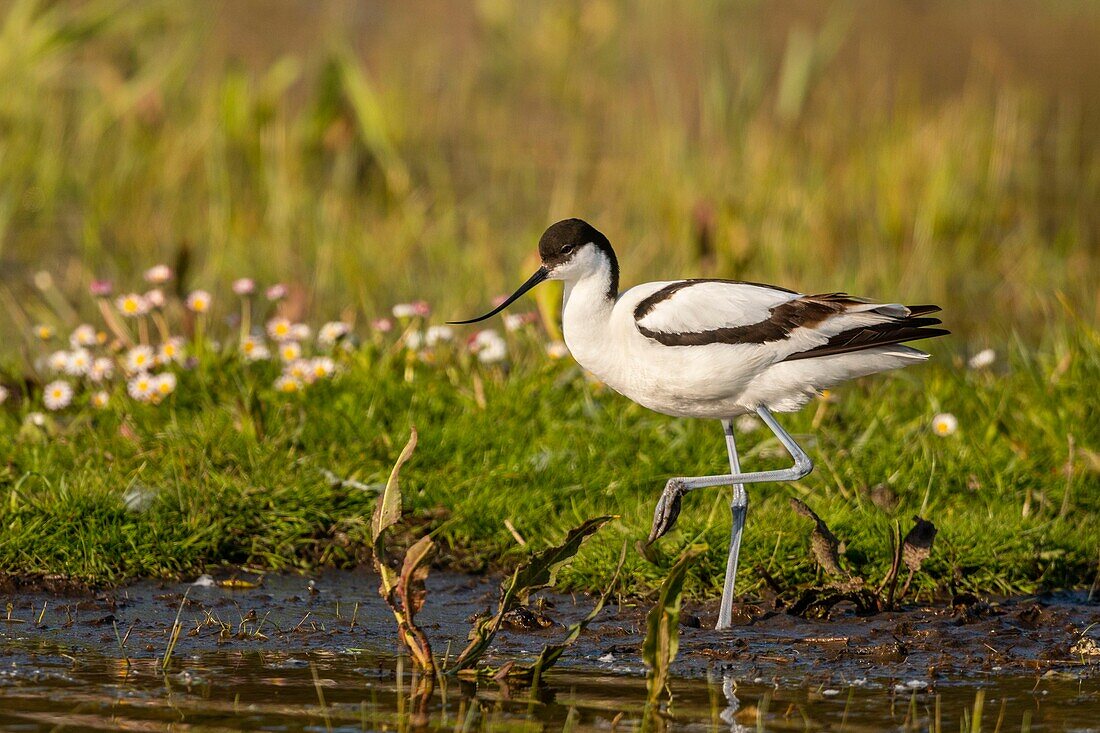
{"points": [[1039, 646]]}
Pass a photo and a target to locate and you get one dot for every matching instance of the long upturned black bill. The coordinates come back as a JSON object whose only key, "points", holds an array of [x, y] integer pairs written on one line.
{"points": [[540, 274]]}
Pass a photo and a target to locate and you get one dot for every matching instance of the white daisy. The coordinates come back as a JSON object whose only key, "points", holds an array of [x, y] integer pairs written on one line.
{"points": [[198, 301], [279, 329], [171, 350], [289, 351], [438, 334], [322, 367], [300, 370], [944, 424], [58, 360], [164, 384], [37, 419], [78, 363], [3, 394], [100, 399], [158, 274], [132, 305], [141, 387], [288, 384], [83, 335], [414, 340], [982, 359], [300, 332], [404, 310], [490, 347], [332, 332], [102, 369], [254, 349], [276, 292], [43, 331], [244, 286], [140, 359], [57, 395], [156, 298]]}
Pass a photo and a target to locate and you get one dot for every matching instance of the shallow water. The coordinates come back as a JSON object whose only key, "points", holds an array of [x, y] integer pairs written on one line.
{"points": [[285, 656]]}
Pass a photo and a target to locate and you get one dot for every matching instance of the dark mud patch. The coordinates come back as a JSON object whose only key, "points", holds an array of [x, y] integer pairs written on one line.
{"points": [[274, 646]]}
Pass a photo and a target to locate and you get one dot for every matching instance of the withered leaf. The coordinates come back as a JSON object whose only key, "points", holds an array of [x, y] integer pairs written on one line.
{"points": [[917, 545], [824, 545]]}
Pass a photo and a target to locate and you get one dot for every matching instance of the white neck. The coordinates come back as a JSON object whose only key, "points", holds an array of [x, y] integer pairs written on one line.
{"points": [[586, 318]]}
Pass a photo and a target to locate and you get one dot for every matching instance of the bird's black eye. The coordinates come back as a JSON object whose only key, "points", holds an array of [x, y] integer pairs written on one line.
{"points": [[567, 249]]}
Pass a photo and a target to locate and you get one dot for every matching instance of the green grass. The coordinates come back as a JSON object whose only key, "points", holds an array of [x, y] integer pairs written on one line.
{"points": [[368, 158], [237, 472]]}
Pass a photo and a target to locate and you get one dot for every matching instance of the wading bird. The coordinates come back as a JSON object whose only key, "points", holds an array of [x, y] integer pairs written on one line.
{"points": [[717, 349]]}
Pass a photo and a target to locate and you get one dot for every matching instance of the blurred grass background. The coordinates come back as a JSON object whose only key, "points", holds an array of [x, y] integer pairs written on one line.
{"points": [[375, 152]]}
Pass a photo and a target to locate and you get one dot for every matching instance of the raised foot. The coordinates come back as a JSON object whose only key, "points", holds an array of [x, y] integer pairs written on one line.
{"points": [[667, 510]]}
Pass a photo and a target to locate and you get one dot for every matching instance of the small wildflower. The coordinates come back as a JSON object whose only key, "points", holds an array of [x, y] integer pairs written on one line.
{"points": [[414, 340], [101, 369], [408, 310], [490, 347], [299, 369], [44, 332], [244, 286], [289, 351], [171, 350], [944, 424], [83, 335], [3, 394], [276, 292], [437, 334], [164, 384], [288, 384], [254, 349], [37, 419], [982, 359], [322, 367], [279, 329], [158, 274], [557, 350], [100, 399], [141, 387], [300, 332], [198, 301], [382, 325], [332, 332], [132, 305], [78, 363], [57, 361], [101, 288], [156, 298], [516, 321], [140, 359], [57, 395]]}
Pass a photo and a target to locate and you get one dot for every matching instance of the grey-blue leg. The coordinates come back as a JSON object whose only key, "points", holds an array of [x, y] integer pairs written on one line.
{"points": [[668, 506], [739, 507]]}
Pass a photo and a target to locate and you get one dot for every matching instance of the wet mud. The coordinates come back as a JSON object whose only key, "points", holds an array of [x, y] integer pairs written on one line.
{"points": [[292, 650]]}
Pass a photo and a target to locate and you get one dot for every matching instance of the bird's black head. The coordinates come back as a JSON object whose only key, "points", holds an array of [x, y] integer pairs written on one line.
{"points": [[570, 250]]}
